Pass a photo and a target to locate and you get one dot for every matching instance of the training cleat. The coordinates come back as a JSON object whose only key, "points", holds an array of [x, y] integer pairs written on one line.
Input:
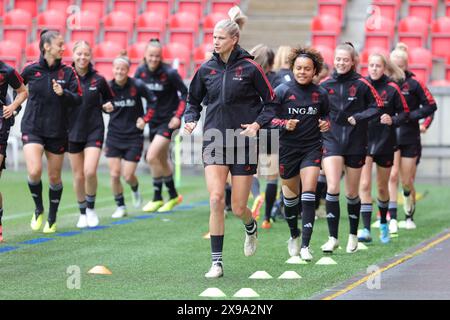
{"points": [[364, 235], [92, 218], [1, 233], [294, 246], [257, 204], [215, 272], [36, 222], [152, 206], [352, 244], [137, 199], [82, 221], [120, 212], [266, 224], [384, 233], [250, 244], [331, 245], [407, 204], [410, 225], [305, 254], [48, 229], [393, 226], [169, 205]]}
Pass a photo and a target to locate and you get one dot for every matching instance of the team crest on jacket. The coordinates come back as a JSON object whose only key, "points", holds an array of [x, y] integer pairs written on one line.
{"points": [[315, 97], [405, 88], [238, 73], [61, 77], [93, 85], [331, 91], [352, 91], [213, 71], [163, 77], [2, 79], [143, 75], [133, 91], [383, 96]]}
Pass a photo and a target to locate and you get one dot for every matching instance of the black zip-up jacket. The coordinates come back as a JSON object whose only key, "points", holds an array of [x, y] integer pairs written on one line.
{"points": [[8, 76], [382, 138], [283, 76], [47, 113], [165, 83], [421, 105], [88, 118], [306, 103], [238, 92], [350, 95], [128, 108]]}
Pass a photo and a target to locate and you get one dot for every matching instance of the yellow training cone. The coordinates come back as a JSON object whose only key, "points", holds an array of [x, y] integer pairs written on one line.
{"points": [[99, 270], [207, 236]]}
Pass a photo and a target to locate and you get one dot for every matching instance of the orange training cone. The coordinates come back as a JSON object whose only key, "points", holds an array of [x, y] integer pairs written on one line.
{"points": [[99, 270]]}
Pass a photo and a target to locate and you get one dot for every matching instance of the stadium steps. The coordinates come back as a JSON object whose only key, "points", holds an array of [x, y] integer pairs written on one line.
{"points": [[356, 14]]}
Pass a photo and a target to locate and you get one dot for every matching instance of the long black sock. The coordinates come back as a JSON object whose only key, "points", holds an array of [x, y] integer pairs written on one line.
{"points": [[216, 249], [135, 188], [1, 215], [353, 208], [308, 217], [271, 195], [157, 189], [170, 184], [333, 213], [120, 201], [366, 214], [36, 193], [320, 189], [82, 206], [90, 200], [228, 197], [251, 228], [54, 195], [383, 207], [291, 213], [393, 209]]}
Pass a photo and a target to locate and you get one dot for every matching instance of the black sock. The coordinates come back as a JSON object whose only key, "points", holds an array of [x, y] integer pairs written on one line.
{"points": [[291, 213], [228, 197], [393, 209], [406, 192], [216, 249], [157, 189], [54, 195], [366, 214], [333, 213], [321, 187], [82, 206], [383, 207], [309, 215], [171, 186], [90, 200], [271, 195], [251, 228], [135, 188], [353, 208], [1, 215], [120, 201], [36, 193], [255, 187]]}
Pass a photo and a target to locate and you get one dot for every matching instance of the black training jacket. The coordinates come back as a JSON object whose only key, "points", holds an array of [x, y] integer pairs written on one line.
{"points": [[165, 83], [47, 113], [382, 138], [421, 105], [88, 118], [308, 104], [350, 95], [283, 76], [237, 92], [128, 108]]}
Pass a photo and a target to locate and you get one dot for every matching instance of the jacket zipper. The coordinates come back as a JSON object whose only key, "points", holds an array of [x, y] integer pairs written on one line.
{"points": [[341, 92]]}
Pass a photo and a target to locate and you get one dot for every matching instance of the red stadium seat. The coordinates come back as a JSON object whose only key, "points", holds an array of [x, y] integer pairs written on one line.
{"points": [[150, 25], [440, 83], [104, 55], [440, 37], [183, 27], [118, 27], [163, 7], [223, 5], [32, 51], [425, 9], [136, 52], [180, 52], [68, 53], [447, 69], [85, 27], [60, 5], [11, 53], [2, 9], [200, 53], [209, 23], [327, 54], [420, 63], [97, 7], [16, 26], [413, 31], [196, 7], [379, 33], [387, 8], [127, 6], [325, 30], [51, 20], [28, 5], [447, 8], [335, 8]]}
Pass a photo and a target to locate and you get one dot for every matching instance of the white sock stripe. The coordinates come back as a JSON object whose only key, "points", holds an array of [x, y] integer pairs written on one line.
{"points": [[333, 198], [290, 202], [308, 197], [383, 204], [353, 201], [392, 205], [366, 208]]}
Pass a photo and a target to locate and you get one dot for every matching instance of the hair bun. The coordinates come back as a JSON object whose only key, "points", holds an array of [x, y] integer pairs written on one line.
{"points": [[237, 16]]}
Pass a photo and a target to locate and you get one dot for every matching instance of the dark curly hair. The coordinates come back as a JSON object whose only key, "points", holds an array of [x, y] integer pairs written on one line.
{"points": [[306, 52]]}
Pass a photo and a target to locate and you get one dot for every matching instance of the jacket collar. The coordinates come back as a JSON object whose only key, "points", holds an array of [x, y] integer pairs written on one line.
{"points": [[44, 63]]}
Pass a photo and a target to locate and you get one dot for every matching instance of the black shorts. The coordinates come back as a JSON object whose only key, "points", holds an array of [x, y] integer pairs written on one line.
{"points": [[161, 129], [53, 145], [410, 150], [3, 153], [354, 161], [420, 155], [383, 160], [293, 160], [128, 150], [94, 139], [240, 160]]}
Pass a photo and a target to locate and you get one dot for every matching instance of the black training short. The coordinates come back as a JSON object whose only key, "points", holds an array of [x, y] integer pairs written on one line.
{"points": [[130, 150], [410, 150], [292, 160], [53, 145], [350, 160], [161, 129], [241, 160], [383, 160], [94, 139]]}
